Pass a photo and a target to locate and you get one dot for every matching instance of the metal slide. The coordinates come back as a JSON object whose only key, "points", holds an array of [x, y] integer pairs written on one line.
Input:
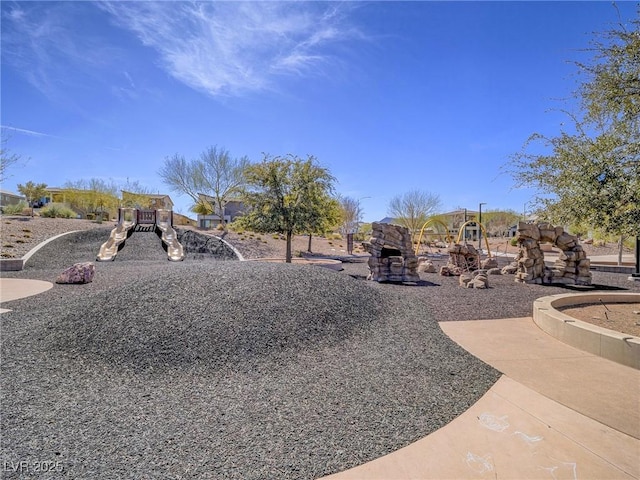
{"points": [[127, 219], [169, 235]]}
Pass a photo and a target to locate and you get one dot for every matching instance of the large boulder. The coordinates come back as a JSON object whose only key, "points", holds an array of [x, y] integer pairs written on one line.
{"points": [[78, 273]]}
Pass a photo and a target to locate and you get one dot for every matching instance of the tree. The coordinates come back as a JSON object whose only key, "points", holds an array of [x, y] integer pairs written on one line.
{"points": [[287, 195], [7, 159], [33, 192], [497, 222], [412, 209], [592, 175], [135, 195], [351, 215], [215, 175], [91, 196]]}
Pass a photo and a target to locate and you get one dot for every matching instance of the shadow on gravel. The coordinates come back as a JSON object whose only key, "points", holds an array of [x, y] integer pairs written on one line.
{"points": [[420, 283], [586, 288]]}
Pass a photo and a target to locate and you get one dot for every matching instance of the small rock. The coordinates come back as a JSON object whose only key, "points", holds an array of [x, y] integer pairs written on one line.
{"points": [[77, 273]]}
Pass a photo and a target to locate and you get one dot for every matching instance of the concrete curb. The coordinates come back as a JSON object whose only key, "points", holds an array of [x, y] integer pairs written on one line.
{"points": [[615, 346], [235, 250], [17, 264]]}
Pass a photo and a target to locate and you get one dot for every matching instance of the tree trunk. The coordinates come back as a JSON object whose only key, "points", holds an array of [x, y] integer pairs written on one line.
{"points": [[620, 249], [288, 255], [309, 247]]}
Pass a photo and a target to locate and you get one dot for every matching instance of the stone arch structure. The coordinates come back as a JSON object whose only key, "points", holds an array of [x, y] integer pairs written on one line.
{"points": [[572, 266], [392, 258]]}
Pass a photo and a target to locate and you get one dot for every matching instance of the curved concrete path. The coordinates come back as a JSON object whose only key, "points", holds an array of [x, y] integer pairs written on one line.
{"points": [[557, 413], [15, 288]]}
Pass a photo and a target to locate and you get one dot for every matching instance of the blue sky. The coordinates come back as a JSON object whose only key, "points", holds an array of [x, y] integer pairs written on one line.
{"points": [[390, 96]]}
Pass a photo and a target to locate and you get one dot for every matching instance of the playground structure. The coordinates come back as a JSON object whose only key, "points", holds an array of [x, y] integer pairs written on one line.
{"points": [[129, 219], [448, 236], [437, 222]]}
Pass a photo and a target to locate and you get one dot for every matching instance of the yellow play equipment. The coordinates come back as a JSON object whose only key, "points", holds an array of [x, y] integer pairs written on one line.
{"points": [[486, 240], [438, 222]]}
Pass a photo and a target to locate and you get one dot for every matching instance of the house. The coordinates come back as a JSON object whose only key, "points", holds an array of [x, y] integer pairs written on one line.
{"points": [[146, 200], [9, 198], [232, 210]]}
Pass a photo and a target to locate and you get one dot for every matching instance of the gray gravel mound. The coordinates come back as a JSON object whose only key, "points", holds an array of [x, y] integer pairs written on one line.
{"points": [[210, 317], [193, 369]]}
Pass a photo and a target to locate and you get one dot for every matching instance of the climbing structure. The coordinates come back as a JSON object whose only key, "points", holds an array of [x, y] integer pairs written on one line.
{"points": [[571, 267], [392, 258], [129, 219]]}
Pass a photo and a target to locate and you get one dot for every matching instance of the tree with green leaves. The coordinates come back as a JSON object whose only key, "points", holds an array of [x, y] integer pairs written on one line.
{"points": [[210, 180], [93, 196], [413, 208], [33, 192], [135, 195], [591, 174], [288, 195]]}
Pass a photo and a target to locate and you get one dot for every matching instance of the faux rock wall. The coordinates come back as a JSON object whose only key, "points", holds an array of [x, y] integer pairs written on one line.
{"points": [[198, 243], [392, 258], [572, 266]]}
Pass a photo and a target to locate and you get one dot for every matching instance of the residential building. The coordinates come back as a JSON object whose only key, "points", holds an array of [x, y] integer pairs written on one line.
{"points": [[232, 210], [9, 198]]}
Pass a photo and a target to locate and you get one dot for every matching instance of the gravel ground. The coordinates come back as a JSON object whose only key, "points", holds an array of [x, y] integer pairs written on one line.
{"points": [[226, 369]]}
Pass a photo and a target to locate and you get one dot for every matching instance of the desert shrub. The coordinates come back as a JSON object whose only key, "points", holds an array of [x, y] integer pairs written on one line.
{"points": [[55, 210], [333, 236], [514, 241], [220, 227], [16, 209]]}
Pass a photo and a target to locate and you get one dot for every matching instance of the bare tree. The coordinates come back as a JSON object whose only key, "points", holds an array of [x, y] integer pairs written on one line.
{"points": [[412, 209], [214, 175], [351, 212], [7, 159]]}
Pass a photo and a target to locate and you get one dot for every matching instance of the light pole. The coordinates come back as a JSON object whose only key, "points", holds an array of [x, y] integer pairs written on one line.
{"points": [[480, 226]]}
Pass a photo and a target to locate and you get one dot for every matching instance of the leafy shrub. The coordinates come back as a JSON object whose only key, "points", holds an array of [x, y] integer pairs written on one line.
{"points": [[16, 209], [55, 210], [514, 241]]}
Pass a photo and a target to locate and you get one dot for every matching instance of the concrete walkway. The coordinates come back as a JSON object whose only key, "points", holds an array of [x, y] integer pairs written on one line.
{"points": [[15, 288], [557, 413]]}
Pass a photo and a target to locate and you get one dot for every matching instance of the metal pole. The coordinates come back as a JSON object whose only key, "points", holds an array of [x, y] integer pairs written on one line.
{"points": [[479, 228], [636, 275], [465, 226]]}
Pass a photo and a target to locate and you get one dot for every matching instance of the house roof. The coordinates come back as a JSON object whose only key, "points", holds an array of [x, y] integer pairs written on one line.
{"points": [[210, 198], [13, 194]]}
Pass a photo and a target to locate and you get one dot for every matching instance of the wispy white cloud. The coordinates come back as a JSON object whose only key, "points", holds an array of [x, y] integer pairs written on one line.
{"points": [[24, 131], [228, 48], [52, 45]]}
